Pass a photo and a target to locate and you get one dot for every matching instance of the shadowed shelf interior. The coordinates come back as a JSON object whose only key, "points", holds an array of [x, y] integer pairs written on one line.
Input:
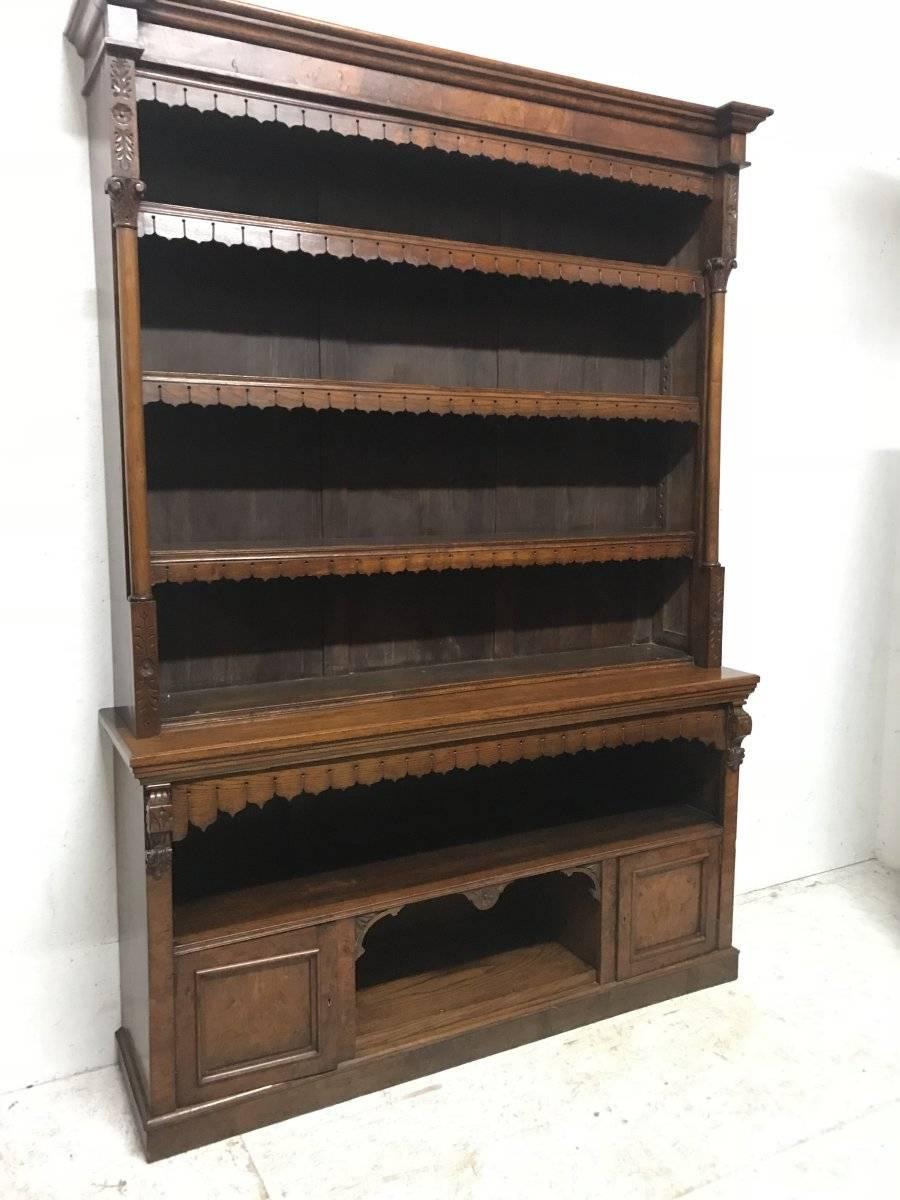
{"points": [[411, 379]]}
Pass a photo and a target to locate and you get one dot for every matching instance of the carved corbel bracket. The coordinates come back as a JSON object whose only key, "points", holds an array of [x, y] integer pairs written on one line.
{"points": [[125, 196], [486, 897], [738, 726], [717, 271], [159, 816], [592, 870], [365, 923]]}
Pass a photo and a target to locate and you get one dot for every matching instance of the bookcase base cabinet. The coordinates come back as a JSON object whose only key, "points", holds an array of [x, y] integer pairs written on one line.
{"points": [[270, 1024]]}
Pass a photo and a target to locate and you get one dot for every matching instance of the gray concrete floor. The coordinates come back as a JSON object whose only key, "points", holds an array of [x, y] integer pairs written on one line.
{"points": [[783, 1085]]}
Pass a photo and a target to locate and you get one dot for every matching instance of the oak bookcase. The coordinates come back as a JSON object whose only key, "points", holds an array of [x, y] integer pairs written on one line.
{"points": [[412, 373]]}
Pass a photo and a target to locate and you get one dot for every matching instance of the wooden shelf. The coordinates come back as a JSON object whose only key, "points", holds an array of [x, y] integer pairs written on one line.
{"points": [[437, 1004], [528, 708], [237, 391], [257, 562], [305, 237], [395, 681], [382, 886]]}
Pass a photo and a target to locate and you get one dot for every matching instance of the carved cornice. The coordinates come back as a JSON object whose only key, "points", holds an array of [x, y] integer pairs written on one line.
{"points": [[125, 196], [359, 396], [717, 271], [200, 803], [384, 127], [159, 815], [738, 727], [190, 566], [305, 237]]}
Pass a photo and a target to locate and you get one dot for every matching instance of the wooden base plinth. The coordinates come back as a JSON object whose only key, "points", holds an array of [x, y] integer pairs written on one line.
{"points": [[198, 1125]]}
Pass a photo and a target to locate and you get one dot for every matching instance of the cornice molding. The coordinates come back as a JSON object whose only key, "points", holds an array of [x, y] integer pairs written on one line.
{"points": [[303, 35]]}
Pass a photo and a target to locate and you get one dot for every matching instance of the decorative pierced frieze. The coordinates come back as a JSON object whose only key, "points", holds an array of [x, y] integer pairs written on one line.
{"points": [[485, 897], [738, 727], [717, 271], [305, 237], [359, 396], [593, 871], [191, 567], [158, 819], [376, 127], [125, 196], [199, 803], [365, 923]]}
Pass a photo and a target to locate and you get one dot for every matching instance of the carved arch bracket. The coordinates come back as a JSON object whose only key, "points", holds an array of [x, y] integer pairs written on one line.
{"points": [[365, 923], [739, 726], [592, 870]]}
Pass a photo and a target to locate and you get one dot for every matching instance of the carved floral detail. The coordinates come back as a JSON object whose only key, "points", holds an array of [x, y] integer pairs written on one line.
{"points": [[158, 818], [121, 76], [729, 232], [123, 147], [739, 725]]}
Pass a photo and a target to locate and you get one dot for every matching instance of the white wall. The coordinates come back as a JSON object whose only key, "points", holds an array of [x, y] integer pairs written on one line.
{"points": [[810, 456]]}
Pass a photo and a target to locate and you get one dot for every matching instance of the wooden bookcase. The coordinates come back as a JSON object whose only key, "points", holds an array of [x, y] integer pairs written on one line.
{"points": [[412, 370]]}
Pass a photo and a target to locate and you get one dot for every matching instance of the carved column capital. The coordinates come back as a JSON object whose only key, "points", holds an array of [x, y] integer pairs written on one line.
{"points": [[717, 271], [737, 727], [159, 815], [125, 196]]}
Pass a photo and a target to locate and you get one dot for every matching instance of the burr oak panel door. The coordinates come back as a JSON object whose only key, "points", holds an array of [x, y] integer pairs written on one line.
{"points": [[667, 906]]}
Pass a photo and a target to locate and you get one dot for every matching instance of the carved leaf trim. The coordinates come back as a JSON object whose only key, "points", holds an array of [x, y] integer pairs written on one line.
{"points": [[377, 127], [200, 802]]}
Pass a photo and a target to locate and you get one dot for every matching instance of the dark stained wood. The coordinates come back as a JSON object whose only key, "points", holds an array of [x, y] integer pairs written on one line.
{"points": [[423, 748]]}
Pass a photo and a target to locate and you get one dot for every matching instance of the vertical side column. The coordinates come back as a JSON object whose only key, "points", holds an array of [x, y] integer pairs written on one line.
{"points": [[737, 727], [709, 590], [125, 190]]}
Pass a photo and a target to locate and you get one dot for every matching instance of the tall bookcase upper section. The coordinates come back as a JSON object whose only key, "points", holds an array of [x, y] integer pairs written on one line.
{"points": [[317, 245]]}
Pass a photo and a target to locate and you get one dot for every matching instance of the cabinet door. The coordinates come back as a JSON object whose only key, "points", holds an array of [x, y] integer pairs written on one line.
{"points": [[667, 905], [263, 1010]]}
